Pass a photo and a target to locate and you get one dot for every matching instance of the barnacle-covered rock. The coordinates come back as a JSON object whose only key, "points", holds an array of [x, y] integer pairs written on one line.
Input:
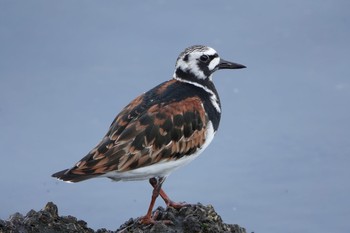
{"points": [[193, 218]]}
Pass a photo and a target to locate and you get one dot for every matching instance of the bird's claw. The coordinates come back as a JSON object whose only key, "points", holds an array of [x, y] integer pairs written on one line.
{"points": [[151, 220], [177, 205]]}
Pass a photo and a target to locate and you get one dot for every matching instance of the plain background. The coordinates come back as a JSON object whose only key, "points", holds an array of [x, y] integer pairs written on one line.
{"points": [[280, 161]]}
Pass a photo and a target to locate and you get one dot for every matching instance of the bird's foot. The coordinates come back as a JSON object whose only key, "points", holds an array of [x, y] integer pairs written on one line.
{"points": [[177, 205], [151, 220]]}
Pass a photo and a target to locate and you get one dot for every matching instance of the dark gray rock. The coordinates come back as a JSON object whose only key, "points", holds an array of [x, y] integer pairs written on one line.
{"points": [[193, 218]]}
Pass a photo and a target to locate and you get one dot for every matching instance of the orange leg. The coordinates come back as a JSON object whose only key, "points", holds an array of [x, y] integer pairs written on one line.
{"points": [[148, 219], [167, 200], [157, 190]]}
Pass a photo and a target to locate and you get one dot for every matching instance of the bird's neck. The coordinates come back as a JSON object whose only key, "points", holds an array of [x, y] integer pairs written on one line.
{"points": [[206, 84], [197, 80]]}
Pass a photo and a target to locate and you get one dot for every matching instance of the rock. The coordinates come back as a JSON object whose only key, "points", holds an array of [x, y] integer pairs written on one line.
{"points": [[45, 220], [193, 218]]}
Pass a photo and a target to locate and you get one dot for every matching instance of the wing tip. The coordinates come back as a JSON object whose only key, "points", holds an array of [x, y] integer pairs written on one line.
{"points": [[62, 175], [68, 176]]}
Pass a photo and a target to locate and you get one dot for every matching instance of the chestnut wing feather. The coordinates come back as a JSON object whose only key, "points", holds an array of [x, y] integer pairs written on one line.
{"points": [[141, 137]]}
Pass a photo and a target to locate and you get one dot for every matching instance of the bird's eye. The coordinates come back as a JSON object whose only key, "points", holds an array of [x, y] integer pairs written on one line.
{"points": [[204, 58]]}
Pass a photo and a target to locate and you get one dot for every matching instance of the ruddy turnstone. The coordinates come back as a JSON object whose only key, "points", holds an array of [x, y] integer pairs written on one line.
{"points": [[161, 130]]}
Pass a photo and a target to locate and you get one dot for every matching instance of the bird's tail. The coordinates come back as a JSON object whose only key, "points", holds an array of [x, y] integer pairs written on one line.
{"points": [[68, 176]]}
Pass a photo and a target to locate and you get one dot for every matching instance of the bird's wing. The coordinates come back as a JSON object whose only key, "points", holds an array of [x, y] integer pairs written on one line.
{"points": [[140, 137]]}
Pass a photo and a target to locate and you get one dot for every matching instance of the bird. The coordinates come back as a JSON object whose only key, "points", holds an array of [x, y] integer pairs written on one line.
{"points": [[161, 130]]}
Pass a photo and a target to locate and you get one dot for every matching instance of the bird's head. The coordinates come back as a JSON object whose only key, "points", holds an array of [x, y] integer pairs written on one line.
{"points": [[200, 62]]}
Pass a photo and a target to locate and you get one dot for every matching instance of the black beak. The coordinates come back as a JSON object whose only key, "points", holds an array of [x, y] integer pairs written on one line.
{"points": [[229, 65]]}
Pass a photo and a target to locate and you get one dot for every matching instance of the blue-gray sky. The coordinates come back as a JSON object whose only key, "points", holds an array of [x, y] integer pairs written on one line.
{"points": [[280, 161]]}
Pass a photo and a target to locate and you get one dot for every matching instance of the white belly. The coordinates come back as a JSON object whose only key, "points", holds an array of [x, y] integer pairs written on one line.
{"points": [[163, 168]]}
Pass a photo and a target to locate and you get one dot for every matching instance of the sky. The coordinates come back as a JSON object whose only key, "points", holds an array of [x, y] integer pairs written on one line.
{"points": [[280, 160]]}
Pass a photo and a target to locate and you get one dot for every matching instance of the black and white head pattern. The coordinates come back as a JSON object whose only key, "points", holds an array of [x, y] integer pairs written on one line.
{"points": [[197, 61]]}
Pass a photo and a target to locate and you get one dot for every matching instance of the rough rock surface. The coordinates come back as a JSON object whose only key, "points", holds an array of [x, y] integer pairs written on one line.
{"points": [[194, 218]]}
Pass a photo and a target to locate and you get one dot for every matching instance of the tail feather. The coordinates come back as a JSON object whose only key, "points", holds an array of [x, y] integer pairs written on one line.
{"points": [[69, 176]]}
